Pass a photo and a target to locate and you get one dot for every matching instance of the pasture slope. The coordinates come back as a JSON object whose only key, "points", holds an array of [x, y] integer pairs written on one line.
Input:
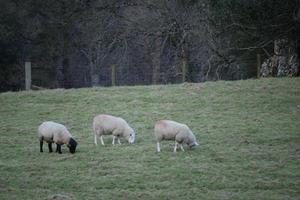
{"points": [[249, 135]]}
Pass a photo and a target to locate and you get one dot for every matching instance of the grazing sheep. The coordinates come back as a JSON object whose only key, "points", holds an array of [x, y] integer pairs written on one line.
{"points": [[58, 133], [171, 130], [115, 126]]}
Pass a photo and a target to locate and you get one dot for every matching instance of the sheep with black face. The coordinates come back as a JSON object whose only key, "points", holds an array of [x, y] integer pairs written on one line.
{"points": [[171, 130], [52, 132], [111, 125]]}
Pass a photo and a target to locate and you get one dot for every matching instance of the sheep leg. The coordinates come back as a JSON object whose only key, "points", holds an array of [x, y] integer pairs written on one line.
{"points": [[50, 147], [113, 141], [158, 147], [176, 145], [41, 145], [119, 141], [182, 149], [95, 139], [101, 139], [58, 148]]}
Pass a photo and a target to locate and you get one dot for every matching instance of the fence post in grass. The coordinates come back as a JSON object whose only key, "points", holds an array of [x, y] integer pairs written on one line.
{"points": [[184, 66], [113, 75], [27, 75], [258, 64], [184, 70]]}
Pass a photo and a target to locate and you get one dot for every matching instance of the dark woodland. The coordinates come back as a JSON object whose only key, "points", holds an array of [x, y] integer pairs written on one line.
{"points": [[81, 43]]}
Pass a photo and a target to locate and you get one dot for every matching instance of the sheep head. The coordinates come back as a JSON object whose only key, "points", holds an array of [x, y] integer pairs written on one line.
{"points": [[193, 145], [191, 141], [130, 135], [72, 145]]}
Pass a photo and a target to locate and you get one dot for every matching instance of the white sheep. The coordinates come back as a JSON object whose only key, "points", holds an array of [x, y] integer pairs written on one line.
{"points": [[171, 130], [115, 126], [53, 132]]}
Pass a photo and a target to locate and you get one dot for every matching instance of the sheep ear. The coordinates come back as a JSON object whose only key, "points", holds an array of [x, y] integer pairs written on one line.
{"points": [[196, 144]]}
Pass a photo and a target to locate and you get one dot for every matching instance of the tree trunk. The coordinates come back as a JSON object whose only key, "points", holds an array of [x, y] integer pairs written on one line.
{"points": [[60, 72], [27, 75], [284, 62], [184, 65], [156, 59], [258, 64], [113, 75]]}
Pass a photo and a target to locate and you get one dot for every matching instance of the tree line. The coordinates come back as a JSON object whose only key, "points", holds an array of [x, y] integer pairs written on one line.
{"points": [[78, 43]]}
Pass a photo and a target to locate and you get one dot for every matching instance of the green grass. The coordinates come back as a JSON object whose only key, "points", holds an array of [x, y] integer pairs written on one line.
{"points": [[249, 135]]}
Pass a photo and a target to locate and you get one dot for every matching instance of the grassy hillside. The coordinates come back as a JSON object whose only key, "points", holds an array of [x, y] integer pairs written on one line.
{"points": [[249, 133]]}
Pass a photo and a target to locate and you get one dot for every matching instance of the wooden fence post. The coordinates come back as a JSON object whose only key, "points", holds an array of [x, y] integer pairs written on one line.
{"points": [[113, 75], [184, 65], [184, 69], [27, 75], [258, 64]]}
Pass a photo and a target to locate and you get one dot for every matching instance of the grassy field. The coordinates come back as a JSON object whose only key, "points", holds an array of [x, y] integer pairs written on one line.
{"points": [[249, 135]]}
